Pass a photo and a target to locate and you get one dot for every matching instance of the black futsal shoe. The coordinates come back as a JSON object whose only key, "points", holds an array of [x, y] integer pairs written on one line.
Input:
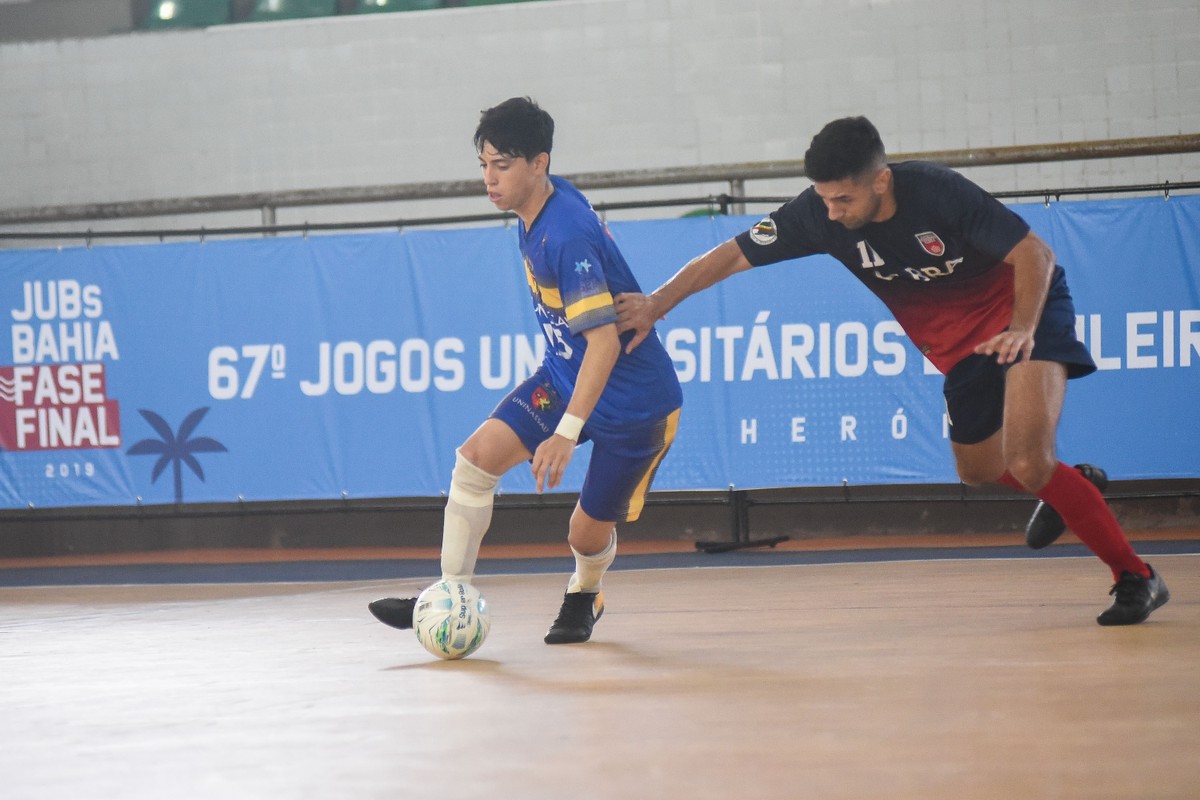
{"points": [[394, 611], [1136, 598], [1046, 525], [578, 614]]}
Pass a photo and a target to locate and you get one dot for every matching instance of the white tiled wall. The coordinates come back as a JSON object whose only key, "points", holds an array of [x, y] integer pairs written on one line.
{"points": [[631, 83]]}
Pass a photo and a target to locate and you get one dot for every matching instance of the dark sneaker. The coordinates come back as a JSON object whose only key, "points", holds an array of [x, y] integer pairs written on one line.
{"points": [[578, 614], [394, 611], [1045, 526], [1136, 598]]}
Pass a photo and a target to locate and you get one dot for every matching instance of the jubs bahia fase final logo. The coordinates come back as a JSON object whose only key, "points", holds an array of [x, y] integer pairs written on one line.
{"points": [[54, 395]]}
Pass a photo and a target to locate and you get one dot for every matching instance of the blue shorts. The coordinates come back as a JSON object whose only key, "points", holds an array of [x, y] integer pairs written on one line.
{"points": [[974, 387], [623, 462]]}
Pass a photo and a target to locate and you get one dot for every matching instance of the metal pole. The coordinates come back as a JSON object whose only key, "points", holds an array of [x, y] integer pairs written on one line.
{"points": [[268, 218], [737, 188]]}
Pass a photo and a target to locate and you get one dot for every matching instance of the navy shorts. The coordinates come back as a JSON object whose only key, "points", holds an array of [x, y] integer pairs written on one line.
{"points": [[623, 462], [974, 387]]}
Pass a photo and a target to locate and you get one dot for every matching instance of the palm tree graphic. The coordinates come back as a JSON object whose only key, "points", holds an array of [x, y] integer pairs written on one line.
{"points": [[176, 449]]}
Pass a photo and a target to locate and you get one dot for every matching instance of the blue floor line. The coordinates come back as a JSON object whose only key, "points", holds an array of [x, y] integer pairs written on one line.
{"points": [[386, 570]]}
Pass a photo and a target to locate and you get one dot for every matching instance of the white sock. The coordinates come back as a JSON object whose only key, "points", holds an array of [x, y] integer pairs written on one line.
{"points": [[589, 570], [468, 515]]}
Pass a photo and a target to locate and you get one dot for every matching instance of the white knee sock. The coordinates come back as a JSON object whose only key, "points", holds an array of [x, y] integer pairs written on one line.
{"points": [[589, 570], [468, 515]]}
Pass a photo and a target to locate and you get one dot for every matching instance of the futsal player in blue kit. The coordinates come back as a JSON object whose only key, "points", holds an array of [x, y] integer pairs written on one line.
{"points": [[978, 293], [587, 387]]}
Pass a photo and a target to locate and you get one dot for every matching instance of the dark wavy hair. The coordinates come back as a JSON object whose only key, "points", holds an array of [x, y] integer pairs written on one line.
{"points": [[845, 148], [517, 127]]}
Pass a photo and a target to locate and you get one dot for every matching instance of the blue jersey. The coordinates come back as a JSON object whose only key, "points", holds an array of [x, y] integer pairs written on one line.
{"points": [[574, 269]]}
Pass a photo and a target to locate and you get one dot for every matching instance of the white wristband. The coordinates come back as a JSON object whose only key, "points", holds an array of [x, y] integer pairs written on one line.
{"points": [[569, 427]]}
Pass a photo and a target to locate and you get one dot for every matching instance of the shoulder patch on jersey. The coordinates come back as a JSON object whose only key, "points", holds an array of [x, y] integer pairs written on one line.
{"points": [[764, 232], [932, 243]]}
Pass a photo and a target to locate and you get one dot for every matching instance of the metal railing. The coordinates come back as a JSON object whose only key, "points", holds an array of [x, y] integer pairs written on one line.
{"points": [[734, 175], [716, 204]]}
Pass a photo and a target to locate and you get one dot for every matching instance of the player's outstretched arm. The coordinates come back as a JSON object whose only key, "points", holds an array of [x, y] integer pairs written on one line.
{"points": [[1033, 267], [639, 312]]}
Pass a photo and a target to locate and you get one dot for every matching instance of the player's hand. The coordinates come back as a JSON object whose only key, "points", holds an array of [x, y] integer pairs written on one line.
{"points": [[550, 461], [1009, 346], [635, 312]]}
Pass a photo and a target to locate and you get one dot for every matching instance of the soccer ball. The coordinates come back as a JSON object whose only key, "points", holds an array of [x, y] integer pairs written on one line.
{"points": [[451, 619]]}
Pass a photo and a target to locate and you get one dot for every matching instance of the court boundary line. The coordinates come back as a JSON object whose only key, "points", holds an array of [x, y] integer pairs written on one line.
{"points": [[391, 571]]}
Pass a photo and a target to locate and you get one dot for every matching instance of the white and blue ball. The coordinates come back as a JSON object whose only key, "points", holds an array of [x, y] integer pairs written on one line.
{"points": [[451, 619]]}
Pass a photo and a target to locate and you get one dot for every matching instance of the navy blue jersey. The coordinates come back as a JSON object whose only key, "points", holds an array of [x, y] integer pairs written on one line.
{"points": [[574, 268], [938, 263]]}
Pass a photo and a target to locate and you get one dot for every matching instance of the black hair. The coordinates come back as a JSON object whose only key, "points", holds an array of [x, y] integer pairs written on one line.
{"points": [[517, 127], [845, 148]]}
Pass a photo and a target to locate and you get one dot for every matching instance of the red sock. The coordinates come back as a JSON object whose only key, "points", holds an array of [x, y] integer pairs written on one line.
{"points": [[1008, 480], [1083, 508]]}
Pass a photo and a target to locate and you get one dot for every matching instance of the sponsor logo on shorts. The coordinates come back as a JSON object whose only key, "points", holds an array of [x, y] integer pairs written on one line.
{"points": [[932, 243], [533, 414], [540, 398], [764, 232]]}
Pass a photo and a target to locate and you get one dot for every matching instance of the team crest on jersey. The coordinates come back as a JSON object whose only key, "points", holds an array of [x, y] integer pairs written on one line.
{"points": [[764, 232], [540, 399], [932, 243]]}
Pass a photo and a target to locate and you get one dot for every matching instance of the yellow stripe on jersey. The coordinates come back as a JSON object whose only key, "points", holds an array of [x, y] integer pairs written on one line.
{"points": [[636, 503], [587, 304], [546, 295]]}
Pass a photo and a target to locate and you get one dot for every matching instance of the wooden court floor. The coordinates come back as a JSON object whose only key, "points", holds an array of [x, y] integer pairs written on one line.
{"points": [[969, 678]]}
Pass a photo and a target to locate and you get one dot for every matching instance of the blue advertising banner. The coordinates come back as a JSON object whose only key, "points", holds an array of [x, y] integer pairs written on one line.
{"points": [[352, 366]]}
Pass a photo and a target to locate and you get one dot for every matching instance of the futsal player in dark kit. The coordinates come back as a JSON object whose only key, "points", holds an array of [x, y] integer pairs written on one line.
{"points": [[978, 293]]}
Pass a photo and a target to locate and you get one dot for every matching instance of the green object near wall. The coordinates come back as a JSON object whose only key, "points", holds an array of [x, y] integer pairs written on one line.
{"points": [[291, 9], [378, 7], [164, 14]]}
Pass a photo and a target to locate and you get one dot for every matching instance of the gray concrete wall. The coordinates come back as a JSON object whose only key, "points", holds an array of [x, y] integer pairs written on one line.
{"points": [[31, 20], [394, 98]]}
